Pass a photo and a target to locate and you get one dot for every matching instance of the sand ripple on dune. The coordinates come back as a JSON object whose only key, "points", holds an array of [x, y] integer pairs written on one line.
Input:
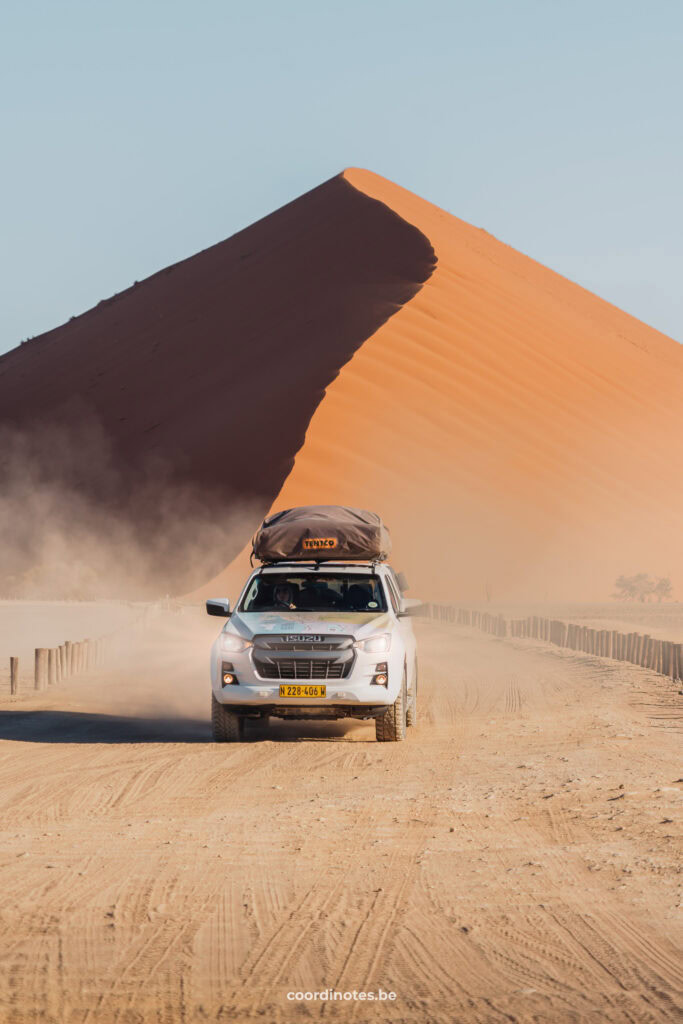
{"points": [[516, 431]]}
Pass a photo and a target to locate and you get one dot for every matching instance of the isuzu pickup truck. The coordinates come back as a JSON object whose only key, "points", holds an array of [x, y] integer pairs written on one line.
{"points": [[316, 639]]}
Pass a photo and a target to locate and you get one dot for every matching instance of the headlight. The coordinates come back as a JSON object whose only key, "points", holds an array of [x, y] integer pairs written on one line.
{"points": [[233, 643], [374, 644]]}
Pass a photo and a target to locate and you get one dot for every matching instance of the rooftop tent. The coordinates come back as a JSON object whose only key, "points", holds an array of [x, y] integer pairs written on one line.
{"points": [[321, 533]]}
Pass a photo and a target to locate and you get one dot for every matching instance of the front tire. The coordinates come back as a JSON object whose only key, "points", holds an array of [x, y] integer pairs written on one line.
{"points": [[390, 727], [411, 710], [227, 727]]}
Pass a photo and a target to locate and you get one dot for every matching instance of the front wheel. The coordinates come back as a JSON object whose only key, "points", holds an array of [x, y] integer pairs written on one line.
{"points": [[411, 710], [390, 727], [227, 727]]}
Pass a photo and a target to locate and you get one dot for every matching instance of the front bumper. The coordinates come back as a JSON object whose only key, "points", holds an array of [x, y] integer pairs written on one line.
{"points": [[357, 690]]}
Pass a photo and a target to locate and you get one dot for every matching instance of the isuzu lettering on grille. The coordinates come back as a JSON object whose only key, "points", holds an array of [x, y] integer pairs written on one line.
{"points": [[304, 638]]}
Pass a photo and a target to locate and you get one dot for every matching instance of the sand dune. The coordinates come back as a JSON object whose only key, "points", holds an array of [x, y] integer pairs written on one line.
{"points": [[175, 405], [521, 437], [519, 434]]}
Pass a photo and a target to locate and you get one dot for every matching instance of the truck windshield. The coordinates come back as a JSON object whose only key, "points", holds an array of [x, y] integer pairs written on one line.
{"points": [[322, 592]]}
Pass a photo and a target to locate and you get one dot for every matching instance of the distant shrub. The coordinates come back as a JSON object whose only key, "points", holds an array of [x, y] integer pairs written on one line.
{"points": [[663, 589], [642, 587]]}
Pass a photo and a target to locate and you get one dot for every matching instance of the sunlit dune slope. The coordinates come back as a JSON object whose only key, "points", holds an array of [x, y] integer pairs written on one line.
{"points": [[521, 436], [170, 414]]}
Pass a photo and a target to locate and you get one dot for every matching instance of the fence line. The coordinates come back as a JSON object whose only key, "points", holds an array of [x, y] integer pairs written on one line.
{"points": [[662, 656], [53, 665]]}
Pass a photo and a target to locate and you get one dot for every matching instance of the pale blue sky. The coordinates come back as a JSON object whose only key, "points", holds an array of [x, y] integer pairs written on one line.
{"points": [[136, 133]]}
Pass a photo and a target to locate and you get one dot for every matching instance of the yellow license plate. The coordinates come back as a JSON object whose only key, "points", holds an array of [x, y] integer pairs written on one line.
{"points": [[302, 690]]}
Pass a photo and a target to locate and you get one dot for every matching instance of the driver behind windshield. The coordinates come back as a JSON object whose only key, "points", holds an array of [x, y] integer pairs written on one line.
{"points": [[283, 597]]}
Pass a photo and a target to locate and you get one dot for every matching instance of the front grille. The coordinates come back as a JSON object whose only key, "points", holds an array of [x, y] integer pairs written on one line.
{"points": [[301, 647], [281, 668], [307, 666]]}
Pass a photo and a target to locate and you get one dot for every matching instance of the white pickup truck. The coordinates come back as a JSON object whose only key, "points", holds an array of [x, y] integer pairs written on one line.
{"points": [[317, 641]]}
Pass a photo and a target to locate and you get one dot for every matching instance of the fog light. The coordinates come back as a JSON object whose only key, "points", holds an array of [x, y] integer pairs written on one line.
{"points": [[228, 674], [381, 679]]}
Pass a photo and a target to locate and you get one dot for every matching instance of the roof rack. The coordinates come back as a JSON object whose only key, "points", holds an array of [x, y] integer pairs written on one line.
{"points": [[315, 563]]}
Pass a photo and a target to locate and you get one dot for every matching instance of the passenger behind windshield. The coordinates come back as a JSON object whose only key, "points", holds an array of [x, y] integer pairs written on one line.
{"points": [[323, 592]]}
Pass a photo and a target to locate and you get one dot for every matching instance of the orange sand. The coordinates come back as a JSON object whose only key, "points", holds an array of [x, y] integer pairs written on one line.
{"points": [[517, 433], [521, 437]]}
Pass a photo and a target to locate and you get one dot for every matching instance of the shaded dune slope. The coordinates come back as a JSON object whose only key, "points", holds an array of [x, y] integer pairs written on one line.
{"points": [[184, 399], [521, 436]]}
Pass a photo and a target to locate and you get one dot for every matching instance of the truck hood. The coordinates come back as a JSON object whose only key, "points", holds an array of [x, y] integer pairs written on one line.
{"points": [[355, 624]]}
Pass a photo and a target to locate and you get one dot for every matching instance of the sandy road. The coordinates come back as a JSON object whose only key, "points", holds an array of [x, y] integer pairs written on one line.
{"points": [[516, 859]]}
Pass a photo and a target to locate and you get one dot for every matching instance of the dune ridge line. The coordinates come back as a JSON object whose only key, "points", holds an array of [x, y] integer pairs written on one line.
{"points": [[532, 424]]}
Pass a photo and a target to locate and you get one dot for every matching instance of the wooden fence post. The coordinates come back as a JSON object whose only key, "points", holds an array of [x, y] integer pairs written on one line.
{"points": [[632, 647], [14, 676], [643, 649], [51, 667], [40, 673]]}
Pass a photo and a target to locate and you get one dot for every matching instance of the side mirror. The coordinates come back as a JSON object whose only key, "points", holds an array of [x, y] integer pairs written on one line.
{"points": [[402, 581], [411, 608], [221, 608]]}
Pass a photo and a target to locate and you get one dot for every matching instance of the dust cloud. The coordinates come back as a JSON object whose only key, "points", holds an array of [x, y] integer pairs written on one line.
{"points": [[456, 545], [78, 525]]}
